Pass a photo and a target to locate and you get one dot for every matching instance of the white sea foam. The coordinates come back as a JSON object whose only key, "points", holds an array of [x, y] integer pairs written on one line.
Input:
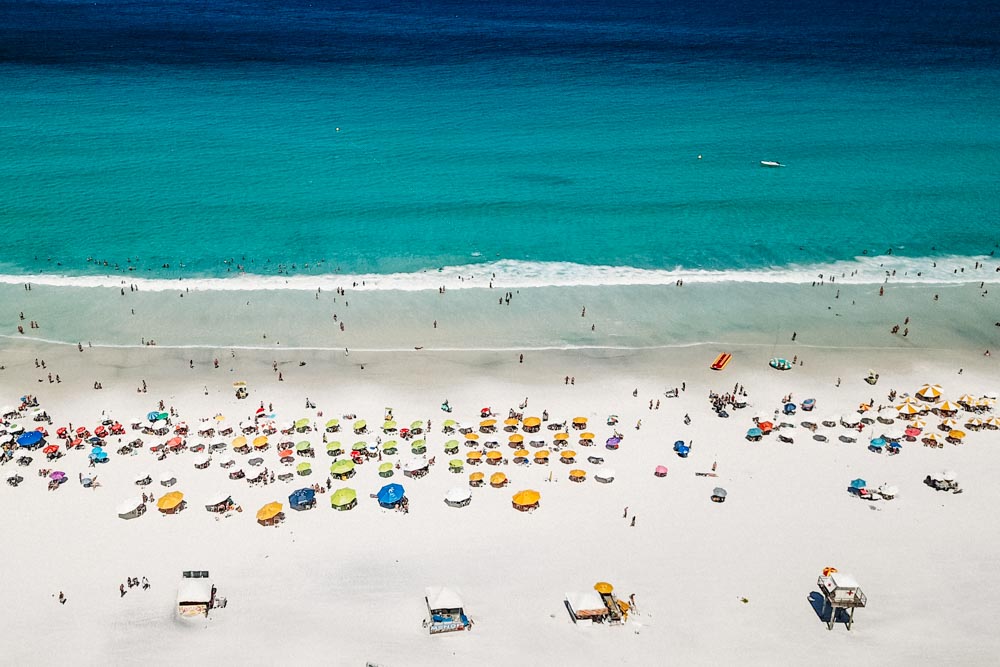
{"points": [[517, 274]]}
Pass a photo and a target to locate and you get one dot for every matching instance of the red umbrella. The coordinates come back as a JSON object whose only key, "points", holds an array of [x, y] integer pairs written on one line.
{"points": [[81, 431], [174, 443], [50, 449], [76, 442], [41, 429], [285, 452], [61, 431], [765, 426]]}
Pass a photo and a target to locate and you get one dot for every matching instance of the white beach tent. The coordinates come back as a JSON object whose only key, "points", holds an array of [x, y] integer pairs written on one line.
{"points": [[415, 464], [442, 598]]}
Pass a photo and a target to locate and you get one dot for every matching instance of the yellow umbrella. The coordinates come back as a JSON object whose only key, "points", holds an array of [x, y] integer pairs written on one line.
{"points": [[967, 399], [486, 423], [587, 436], [511, 421], [929, 391], [269, 511], [603, 587], [527, 498], [476, 477], [560, 437], [239, 441], [494, 455], [516, 438], [567, 456], [532, 422], [947, 407], [580, 420], [497, 479], [522, 454], [956, 434], [474, 455], [260, 441], [472, 436], [577, 473], [907, 409], [170, 500], [542, 454], [949, 422]]}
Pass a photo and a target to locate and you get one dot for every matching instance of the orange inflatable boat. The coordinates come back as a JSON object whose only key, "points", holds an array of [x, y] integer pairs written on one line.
{"points": [[721, 361]]}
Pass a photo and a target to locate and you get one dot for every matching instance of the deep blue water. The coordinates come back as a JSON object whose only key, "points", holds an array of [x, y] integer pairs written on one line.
{"points": [[395, 136]]}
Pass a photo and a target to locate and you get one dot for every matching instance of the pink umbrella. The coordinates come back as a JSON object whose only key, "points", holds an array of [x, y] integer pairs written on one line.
{"points": [[912, 432], [661, 471]]}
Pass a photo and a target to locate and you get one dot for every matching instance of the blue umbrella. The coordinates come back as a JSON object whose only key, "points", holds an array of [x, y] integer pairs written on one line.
{"points": [[153, 416], [858, 483], [29, 438], [301, 497], [754, 433], [878, 443], [682, 451], [679, 443], [99, 456], [390, 494], [94, 440]]}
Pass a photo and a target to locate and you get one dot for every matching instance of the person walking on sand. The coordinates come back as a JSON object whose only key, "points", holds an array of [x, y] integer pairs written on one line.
{"points": [[62, 598], [625, 514], [121, 589], [632, 525]]}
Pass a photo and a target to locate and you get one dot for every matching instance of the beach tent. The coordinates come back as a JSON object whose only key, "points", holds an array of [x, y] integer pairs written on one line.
{"points": [[168, 479], [458, 496], [171, 503], [526, 500], [445, 610], [302, 499], [344, 499], [131, 508], [220, 501], [390, 495], [414, 466], [270, 514]]}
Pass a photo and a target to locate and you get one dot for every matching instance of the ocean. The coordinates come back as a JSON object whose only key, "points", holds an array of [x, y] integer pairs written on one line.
{"points": [[561, 143]]}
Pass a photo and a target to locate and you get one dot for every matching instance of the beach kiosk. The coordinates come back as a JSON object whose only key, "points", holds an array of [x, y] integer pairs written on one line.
{"points": [[598, 605], [840, 591], [445, 610], [195, 595]]}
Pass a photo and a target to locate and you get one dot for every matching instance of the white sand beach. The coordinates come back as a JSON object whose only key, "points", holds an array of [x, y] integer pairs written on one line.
{"points": [[714, 583]]}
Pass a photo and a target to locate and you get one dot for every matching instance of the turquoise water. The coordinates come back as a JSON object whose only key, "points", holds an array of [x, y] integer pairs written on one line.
{"points": [[306, 165]]}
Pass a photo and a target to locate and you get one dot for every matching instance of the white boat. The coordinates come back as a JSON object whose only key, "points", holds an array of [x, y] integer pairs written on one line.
{"points": [[770, 163]]}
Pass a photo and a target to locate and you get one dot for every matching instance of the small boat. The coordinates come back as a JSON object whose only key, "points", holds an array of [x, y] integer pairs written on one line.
{"points": [[721, 361], [770, 163]]}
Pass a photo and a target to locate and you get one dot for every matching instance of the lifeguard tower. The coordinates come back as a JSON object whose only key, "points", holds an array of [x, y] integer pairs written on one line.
{"points": [[840, 591]]}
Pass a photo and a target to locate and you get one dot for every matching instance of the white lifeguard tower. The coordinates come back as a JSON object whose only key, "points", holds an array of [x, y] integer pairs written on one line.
{"points": [[840, 591]]}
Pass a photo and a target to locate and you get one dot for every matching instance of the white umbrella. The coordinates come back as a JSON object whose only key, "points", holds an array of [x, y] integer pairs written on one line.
{"points": [[202, 459], [142, 477], [167, 477], [886, 490], [5, 438], [414, 464], [607, 474], [129, 505], [218, 498], [458, 494]]}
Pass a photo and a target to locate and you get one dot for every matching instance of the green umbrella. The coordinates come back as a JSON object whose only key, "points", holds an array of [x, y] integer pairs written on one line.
{"points": [[304, 466], [332, 446], [448, 423], [360, 425], [385, 467], [415, 425], [303, 446], [419, 443], [451, 443], [389, 425], [333, 423], [301, 423], [343, 497], [455, 463], [342, 467]]}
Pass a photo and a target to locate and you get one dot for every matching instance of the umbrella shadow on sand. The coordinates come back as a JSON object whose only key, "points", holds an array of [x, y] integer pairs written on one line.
{"points": [[823, 612]]}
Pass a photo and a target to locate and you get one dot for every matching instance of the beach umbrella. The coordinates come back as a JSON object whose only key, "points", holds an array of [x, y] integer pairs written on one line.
{"points": [[947, 407], [239, 441], [780, 364], [567, 456], [419, 444], [613, 442], [579, 421], [58, 475], [389, 425], [476, 477], [304, 468], [260, 441], [661, 471], [451, 444], [604, 475], [522, 454], [877, 443], [532, 422], [930, 438], [754, 433], [907, 409], [127, 509], [360, 425], [911, 432], [301, 423], [975, 422], [285, 453], [858, 483], [301, 497], [604, 588], [269, 511], [332, 424], [170, 500], [153, 416], [29, 439], [342, 467], [966, 400], [17, 428], [577, 475], [929, 392], [560, 437], [526, 499], [417, 425], [456, 465], [587, 435], [389, 446], [498, 479], [494, 455], [949, 422], [449, 423], [949, 475], [956, 434], [888, 490], [472, 437], [719, 492], [458, 496], [344, 498], [474, 455], [414, 464], [918, 423], [486, 423], [50, 449], [542, 455], [511, 421], [390, 494], [303, 446], [516, 438], [332, 447]]}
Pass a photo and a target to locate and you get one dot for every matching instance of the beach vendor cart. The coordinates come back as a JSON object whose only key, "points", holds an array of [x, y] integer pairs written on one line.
{"points": [[195, 595], [445, 610]]}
